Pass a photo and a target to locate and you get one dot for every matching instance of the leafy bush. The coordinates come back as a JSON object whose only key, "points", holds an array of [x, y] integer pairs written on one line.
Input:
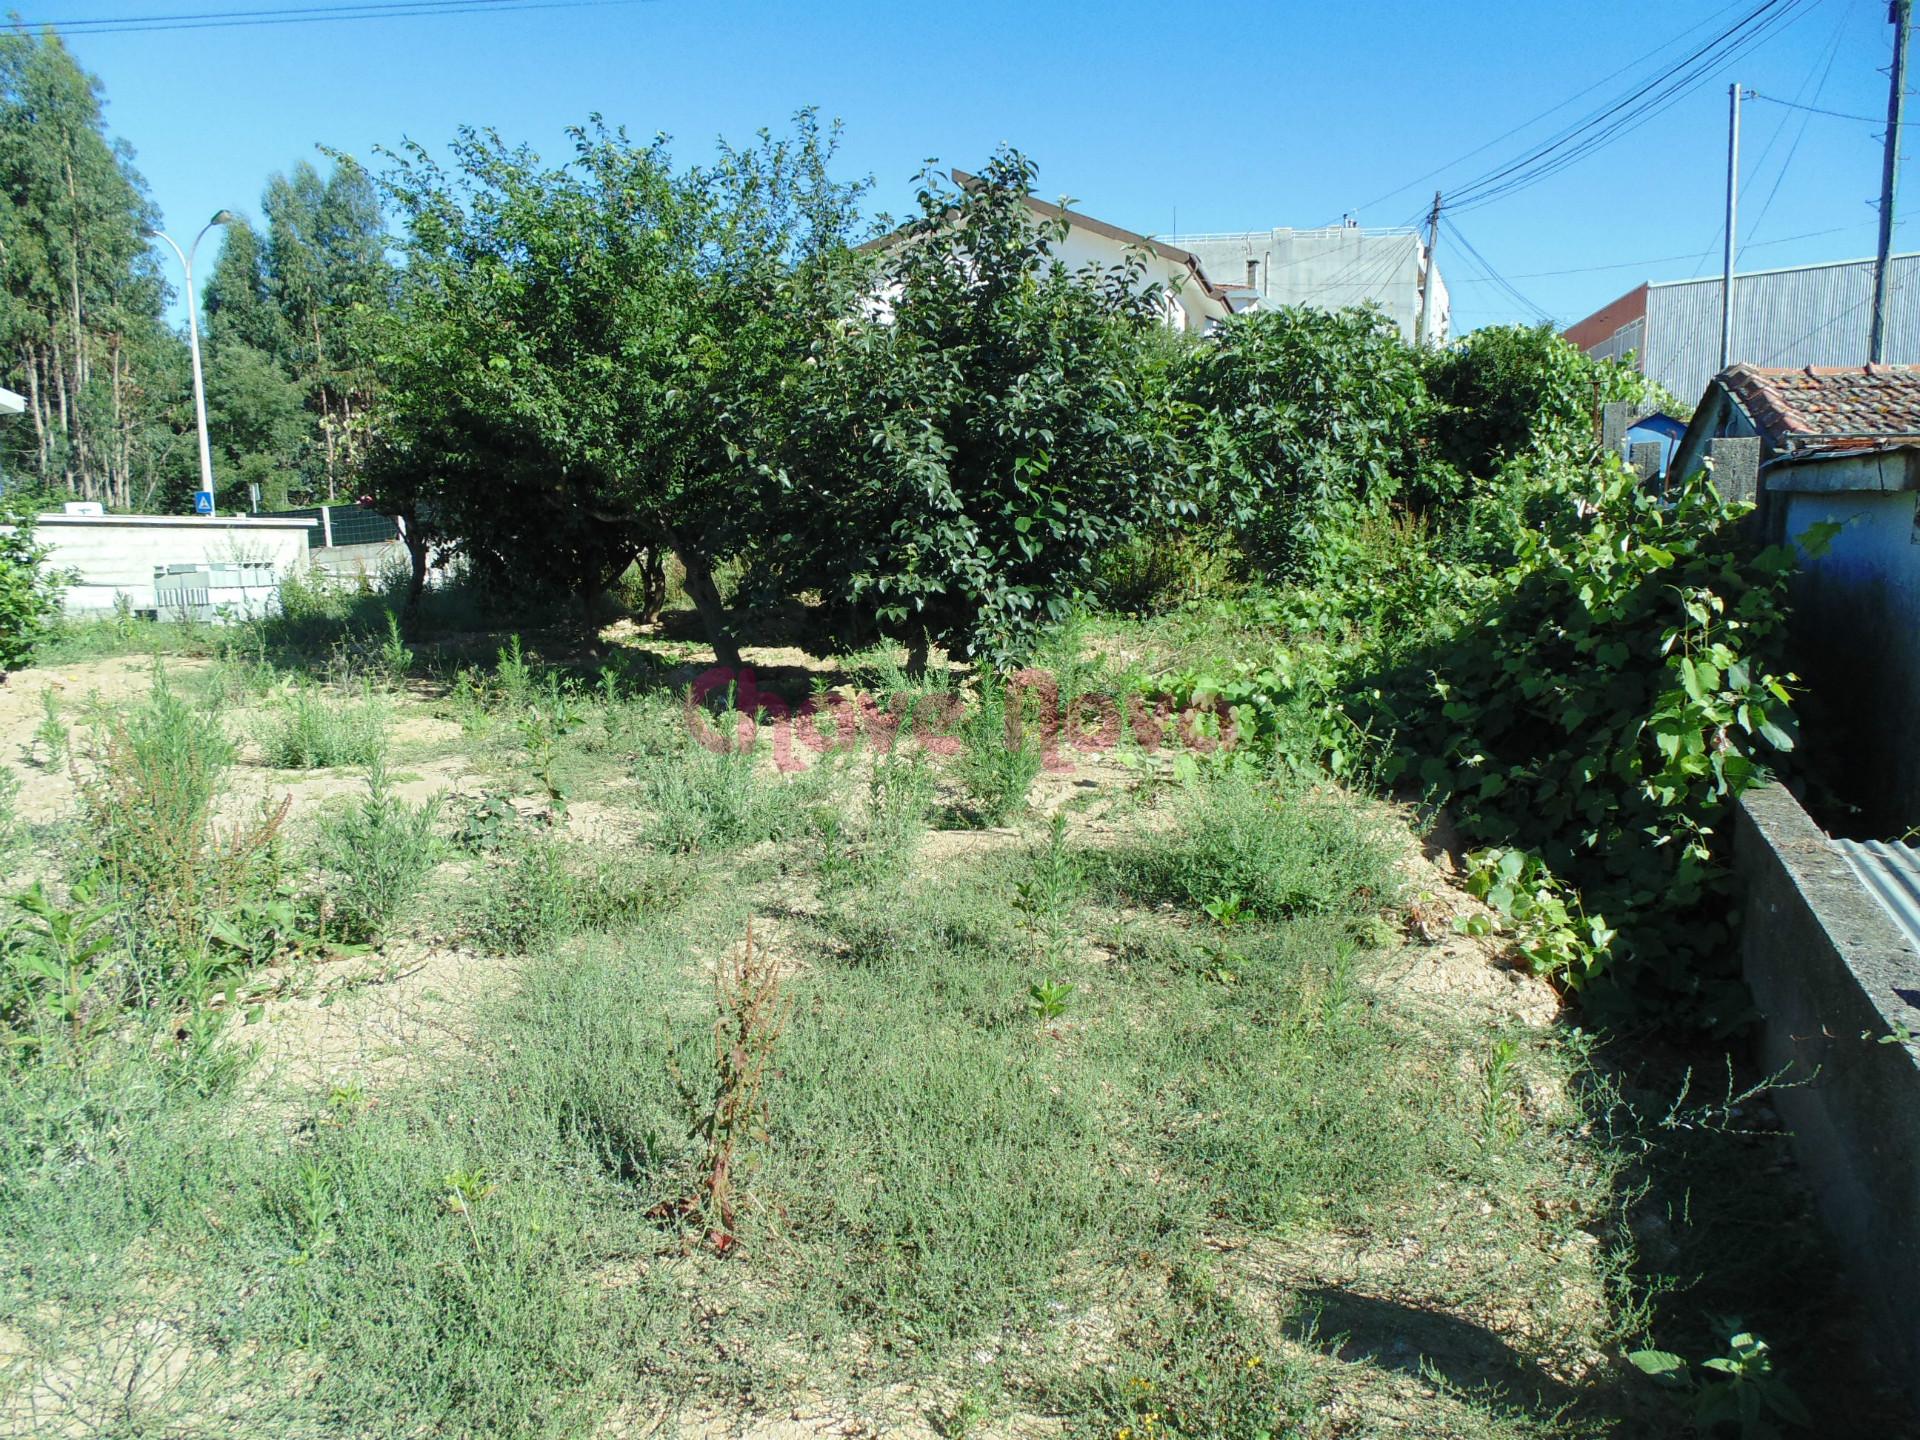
{"points": [[529, 904], [1307, 419], [958, 471], [29, 592], [1605, 705], [1508, 389]]}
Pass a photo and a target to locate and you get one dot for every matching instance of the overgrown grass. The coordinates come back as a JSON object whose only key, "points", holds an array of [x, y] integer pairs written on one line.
{"points": [[311, 728], [1269, 847]]}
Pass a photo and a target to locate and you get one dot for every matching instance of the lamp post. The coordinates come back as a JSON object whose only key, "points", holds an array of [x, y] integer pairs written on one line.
{"points": [[202, 502]]}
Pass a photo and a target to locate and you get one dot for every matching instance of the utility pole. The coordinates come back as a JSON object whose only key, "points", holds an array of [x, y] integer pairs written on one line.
{"points": [[1733, 214], [203, 498], [1426, 285], [1900, 13]]}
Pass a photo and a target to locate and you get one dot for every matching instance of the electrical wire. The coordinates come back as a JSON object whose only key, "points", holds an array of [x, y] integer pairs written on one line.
{"points": [[1816, 110], [1663, 259], [1554, 109], [1786, 164], [1507, 287], [312, 14], [1633, 110]]}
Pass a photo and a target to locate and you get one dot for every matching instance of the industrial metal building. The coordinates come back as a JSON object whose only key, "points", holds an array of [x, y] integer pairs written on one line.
{"points": [[1329, 268], [1789, 318]]}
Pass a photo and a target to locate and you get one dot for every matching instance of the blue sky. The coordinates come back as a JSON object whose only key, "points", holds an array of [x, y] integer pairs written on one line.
{"points": [[1228, 119]]}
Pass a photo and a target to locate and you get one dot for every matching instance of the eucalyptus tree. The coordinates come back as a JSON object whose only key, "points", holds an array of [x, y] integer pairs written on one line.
{"points": [[80, 294]]}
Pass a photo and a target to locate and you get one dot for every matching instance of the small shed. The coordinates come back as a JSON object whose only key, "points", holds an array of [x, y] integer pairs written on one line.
{"points": [[1835, 457], [116, 559]]}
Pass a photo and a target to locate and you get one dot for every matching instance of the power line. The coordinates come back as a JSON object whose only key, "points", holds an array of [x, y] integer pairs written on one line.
{"points": [[1494, 275], [312, 14], [1554, 109], [1633, 110], [1663, 259], [1816, 110], [1826, 71]]}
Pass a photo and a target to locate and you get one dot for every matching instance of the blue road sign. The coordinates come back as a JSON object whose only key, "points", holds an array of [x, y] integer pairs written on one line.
{"points": [[203, 502]]}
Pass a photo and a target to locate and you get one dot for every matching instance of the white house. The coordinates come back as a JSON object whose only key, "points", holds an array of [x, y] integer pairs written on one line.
{"points": [[1193, 301], [1331, 268]]}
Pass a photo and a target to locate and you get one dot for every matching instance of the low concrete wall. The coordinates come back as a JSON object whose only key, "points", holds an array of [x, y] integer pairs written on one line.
{"points": [[361, 563], [115, 554], [1832, 974]]}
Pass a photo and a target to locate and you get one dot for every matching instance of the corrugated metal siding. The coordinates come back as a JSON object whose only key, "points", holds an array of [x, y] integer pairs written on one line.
{"points": [[1629, 338], [1892, 873], [1810, 315]]}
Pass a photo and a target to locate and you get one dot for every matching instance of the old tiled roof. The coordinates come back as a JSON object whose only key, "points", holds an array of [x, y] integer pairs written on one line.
{"points": [[1830, 407]]}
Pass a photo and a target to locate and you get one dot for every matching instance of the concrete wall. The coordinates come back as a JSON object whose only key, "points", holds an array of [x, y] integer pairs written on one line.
{"points": [[1329, 268], [115, 555], [1855, 643], [1832, 974]]}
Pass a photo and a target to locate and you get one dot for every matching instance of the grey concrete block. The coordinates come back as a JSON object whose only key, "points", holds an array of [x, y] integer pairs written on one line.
{"points": [[1644, 456], [1833, 977], [1736, 466]]}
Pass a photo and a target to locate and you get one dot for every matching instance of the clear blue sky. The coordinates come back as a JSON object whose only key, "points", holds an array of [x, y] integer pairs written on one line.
{"points": [[1257, 116]]}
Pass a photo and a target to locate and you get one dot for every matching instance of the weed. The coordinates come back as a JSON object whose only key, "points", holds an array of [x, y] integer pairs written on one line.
{"points": [[1047, 999], [528, 904], [396, 660], [1741, 1387], [708, 801], [875, 846], [1500, 1116], [1047, 896], [313, 731], [51, 733], [730, 1123], [999, 759], [487, 826], [380, 850], [147, 796], [513, 675], [55, 961]]}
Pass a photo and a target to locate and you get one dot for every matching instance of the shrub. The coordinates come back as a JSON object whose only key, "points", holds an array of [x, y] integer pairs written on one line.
{"points": [[1308, 418], [379, 850], [1605, 705], [29, 592], [312, 730]]}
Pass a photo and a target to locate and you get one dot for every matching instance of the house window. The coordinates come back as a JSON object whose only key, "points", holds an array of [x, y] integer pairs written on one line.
{"points": [[1253, 274]]}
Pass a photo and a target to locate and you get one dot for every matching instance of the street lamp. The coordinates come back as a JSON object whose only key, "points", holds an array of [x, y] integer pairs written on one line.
{"points": [[203, 502]]}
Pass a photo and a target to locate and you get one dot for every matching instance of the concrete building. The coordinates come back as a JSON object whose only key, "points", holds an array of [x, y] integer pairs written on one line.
{"points": [[115, 556], [1840, 448], [1330, 268], [1793, 317], [1192, 298]]}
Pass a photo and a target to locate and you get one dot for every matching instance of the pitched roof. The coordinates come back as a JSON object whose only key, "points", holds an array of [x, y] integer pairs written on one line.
{"points": [[1830, 407], [1186, 259]]}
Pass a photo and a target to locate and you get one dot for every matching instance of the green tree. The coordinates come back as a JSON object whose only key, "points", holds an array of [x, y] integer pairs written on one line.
{"points": [[962, 459], [592, 360], [80, 292], [1307, 420], [326, 262]]}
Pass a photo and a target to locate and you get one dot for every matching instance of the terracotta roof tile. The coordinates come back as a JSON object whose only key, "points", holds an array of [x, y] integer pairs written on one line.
{"points": [[1837, 406]]}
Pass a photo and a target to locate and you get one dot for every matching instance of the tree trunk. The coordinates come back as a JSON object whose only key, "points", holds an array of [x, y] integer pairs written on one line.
{"points": [[653, 584], [917, 656], [416, 543], [706, 600]]}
